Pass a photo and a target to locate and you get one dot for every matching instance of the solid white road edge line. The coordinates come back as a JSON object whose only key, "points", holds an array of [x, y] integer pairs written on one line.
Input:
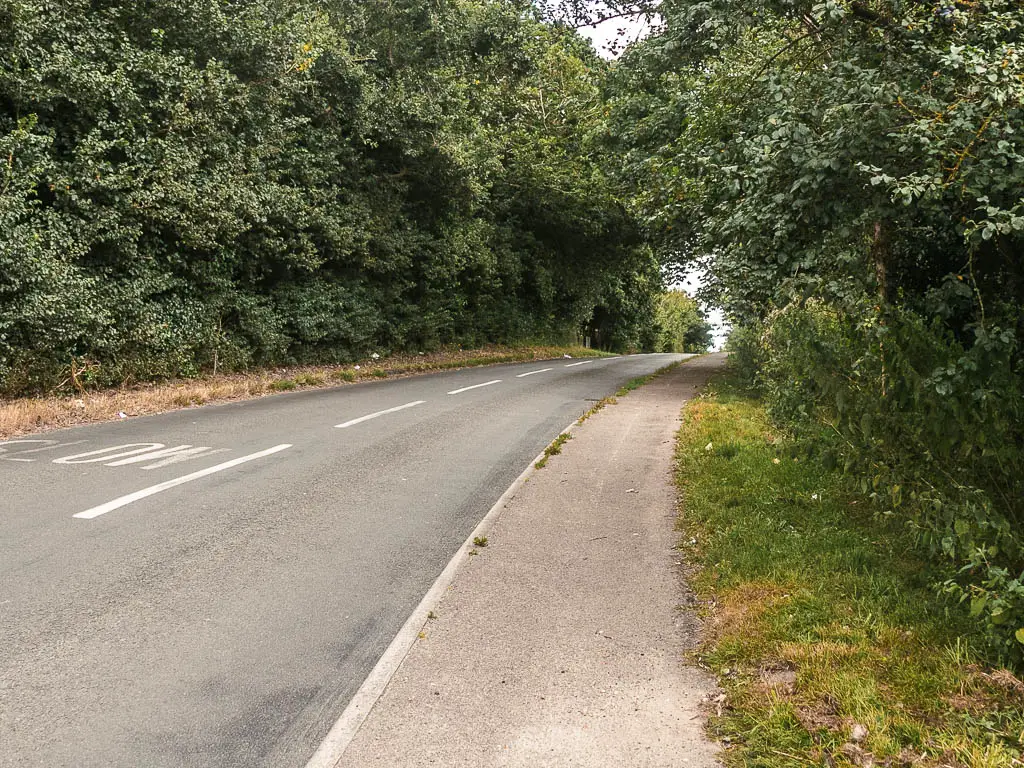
{"points": [[475, 386], [102, 509], [530, 373], [333, 747], [369, 416], [581, 362]]}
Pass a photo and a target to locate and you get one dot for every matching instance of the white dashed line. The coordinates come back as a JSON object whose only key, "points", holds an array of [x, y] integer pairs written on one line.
{"points": [[369, 416], [581, 362], [475, 386], [122, 501], [530, 373]]}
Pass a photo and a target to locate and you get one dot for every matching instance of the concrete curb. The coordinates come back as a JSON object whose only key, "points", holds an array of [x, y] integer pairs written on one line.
{"points": [[332, 748]]}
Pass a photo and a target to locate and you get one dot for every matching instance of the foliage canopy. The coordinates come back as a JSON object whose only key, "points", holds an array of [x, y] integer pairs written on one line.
{"points": [[275, 181], [850, 172]]}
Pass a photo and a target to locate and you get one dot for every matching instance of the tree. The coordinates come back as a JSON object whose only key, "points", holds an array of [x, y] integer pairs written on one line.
{"points": [[850, 172], [682, 326], [282, 181]]}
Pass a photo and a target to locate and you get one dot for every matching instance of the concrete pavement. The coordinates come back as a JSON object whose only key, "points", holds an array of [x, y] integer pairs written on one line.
{"points": [[561, 642]]}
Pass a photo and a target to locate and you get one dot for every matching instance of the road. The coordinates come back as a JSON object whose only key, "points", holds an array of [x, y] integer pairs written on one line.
{"points": [[209, 587]]}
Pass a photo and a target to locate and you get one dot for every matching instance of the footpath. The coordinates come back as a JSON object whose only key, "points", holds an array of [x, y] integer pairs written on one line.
{"points": [[561, 642]]}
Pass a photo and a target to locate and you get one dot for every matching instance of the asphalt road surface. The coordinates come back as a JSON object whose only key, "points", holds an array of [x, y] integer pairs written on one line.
{"points": [[209, 587]]}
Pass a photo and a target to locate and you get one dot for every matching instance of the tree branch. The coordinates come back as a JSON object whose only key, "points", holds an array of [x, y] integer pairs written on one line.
{"points": [[764, 68], [609, 17]]}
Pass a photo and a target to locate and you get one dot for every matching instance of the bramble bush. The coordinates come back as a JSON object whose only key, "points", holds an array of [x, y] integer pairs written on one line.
{"points": [[929, 427]]}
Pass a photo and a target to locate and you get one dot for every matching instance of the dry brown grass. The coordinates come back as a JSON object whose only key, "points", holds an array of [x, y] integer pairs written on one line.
{"points": [[738, 610], [29, 415]]}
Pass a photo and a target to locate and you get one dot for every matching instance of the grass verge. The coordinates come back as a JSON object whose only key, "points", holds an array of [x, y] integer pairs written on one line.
{"points": [[21, 416], [822, 624]]}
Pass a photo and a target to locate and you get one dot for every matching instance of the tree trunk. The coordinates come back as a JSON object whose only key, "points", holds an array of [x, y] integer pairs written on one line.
{"points": [[879, 254]]}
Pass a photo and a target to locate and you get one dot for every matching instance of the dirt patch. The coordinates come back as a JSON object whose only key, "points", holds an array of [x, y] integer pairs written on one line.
{"points": [[1006, 681], [819, 715], [780, 679]]}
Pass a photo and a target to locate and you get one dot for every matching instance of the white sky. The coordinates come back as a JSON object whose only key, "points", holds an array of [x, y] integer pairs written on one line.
{"points": [[602, 34]]}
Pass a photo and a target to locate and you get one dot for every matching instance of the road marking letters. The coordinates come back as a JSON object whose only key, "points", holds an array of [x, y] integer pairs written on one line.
{"points": [[167, 456], [122, 501], [105, 455], [48, 445]]}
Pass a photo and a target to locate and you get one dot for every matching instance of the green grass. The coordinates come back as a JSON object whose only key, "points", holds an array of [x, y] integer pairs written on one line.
{"points": [[820, 615]]}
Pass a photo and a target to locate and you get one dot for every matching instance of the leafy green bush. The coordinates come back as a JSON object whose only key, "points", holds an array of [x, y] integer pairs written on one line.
{"points": [[929, 427], [746, 354], [186, 185], [849, 173], [681, 324]]}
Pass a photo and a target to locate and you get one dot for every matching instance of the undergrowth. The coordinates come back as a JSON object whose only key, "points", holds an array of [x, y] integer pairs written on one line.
{"points": [[824, 625], [926, 425]]}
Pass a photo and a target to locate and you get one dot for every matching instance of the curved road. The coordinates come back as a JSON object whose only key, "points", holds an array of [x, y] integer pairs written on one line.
{"points": [[209, 587]]}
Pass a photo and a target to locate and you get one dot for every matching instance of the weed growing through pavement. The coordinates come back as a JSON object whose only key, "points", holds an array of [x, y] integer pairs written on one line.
{"points": [[823, 625], [552, 450], [480, 541], [597, 407]]}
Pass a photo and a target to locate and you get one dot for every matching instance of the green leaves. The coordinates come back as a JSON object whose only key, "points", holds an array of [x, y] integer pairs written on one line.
{"points": [[281, 182]]}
